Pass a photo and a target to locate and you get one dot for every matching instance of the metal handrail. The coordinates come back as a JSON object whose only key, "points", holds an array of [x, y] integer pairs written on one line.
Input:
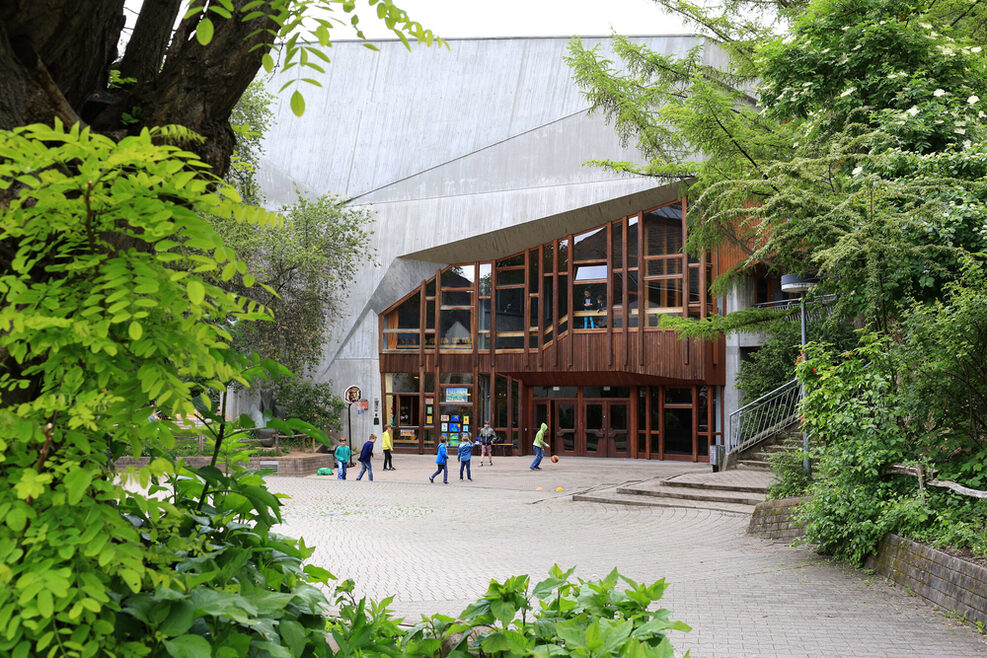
{"points": [[790, 303], [764, 417]]}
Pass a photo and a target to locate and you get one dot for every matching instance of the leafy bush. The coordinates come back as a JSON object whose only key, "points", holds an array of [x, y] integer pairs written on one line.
{"points": [[313, 402], [891, 402], [792, 480], [557, 617], [773, 364], [106, 318]]}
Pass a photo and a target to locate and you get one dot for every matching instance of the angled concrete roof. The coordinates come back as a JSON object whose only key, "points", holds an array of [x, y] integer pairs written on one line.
{"points": [[484, 115]]}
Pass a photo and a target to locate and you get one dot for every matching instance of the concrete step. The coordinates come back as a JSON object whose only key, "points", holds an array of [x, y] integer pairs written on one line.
{"points": [[712, 485], [611, 497], [687, 493], [755, 464]]}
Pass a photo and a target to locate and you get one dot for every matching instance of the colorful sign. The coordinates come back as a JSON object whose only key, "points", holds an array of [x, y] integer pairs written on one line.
{"points": [[457, 394]]}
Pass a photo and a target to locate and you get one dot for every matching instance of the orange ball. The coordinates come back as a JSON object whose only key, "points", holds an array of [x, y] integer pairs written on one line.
{"points": [[555, 459]]}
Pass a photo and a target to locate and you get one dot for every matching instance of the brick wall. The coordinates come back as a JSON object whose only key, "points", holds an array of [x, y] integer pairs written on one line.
{"points": [[772, 519], [949, 582]]}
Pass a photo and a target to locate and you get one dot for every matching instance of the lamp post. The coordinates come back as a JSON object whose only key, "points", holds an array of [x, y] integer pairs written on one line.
{"points": [[796, 283]]}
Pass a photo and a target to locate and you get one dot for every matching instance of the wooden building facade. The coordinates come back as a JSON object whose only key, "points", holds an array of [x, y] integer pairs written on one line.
{"points": [[565, 333]]}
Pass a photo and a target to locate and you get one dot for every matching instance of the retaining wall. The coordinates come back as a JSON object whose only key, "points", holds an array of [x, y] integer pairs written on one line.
{"points": [[290, 466], [772, 519], [947, 581]]}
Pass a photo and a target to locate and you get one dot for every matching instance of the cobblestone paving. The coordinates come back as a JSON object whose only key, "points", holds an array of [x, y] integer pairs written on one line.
{"points": [[435, 548]]}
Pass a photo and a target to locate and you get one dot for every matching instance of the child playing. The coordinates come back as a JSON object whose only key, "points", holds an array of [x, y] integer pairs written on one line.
{"points": [[465, 453], [441, 462], [342, 455]]}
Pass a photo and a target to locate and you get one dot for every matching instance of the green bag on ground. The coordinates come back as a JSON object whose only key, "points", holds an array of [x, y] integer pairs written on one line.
{"points": [[324, 471]]}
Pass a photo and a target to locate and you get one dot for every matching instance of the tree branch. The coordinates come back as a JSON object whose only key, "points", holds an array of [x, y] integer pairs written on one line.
{"points": [[149, 42]]}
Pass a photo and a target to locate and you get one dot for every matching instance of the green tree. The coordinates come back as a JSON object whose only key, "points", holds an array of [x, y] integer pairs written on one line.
{"points": [[251, 118], [305, 263], [849, 146], [107, 317]]}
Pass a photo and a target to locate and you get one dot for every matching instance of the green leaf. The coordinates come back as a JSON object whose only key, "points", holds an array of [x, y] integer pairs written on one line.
{"points": [[132, 578], [16, 518], [294, 636], [268, 62], [204, 31], [297, 103], [45, 604], [503, 611], [188, 646], [76, 483], [135, 330], [179, 620], [196, 291]]}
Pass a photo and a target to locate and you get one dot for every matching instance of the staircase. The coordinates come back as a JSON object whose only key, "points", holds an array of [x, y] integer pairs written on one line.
{"points": [[771, 419], [757, 456], [730, 492]]}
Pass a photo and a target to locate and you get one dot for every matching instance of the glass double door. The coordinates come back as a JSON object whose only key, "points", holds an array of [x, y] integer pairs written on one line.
{"points": [[591, 428]]}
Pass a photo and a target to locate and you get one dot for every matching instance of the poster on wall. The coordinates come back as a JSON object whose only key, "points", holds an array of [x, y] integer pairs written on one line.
{"points": [[466, 428], [445, 427], [453, 440], [453, 427], [444, 418], [457, 394], [408, 435], [428, 400], [428, 420], [466, 419], [454, 418]]}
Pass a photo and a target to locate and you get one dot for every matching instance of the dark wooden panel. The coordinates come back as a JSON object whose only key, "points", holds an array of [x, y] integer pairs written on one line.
{"points": [[664, 359]]}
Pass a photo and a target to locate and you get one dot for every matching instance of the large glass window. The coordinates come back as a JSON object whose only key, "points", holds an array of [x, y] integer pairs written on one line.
{"points": [[510, 318], [456, 310], [663, 231], [455, 332], [402, 325]]}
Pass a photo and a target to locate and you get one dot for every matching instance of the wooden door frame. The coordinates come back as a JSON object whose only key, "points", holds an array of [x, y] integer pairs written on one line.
{"points": [[609, 428], [576, 429]]}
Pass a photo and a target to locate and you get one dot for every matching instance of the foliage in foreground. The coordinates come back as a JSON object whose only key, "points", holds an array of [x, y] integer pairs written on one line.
{"points": [[106, 318], [556, 617]]}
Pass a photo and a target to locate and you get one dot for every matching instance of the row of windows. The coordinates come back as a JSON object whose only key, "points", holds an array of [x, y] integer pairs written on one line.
{"points": [[585, 282]]}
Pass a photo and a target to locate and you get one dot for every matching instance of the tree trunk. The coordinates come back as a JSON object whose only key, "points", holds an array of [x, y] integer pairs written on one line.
{"points": [[56, 56]]}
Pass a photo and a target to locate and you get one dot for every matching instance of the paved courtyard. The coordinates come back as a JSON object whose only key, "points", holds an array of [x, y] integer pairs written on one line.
{"points": [[435, 547]]}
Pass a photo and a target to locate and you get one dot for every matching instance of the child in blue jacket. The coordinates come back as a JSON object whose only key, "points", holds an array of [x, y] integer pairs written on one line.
{"points": [[465, 452], [441, 459]]}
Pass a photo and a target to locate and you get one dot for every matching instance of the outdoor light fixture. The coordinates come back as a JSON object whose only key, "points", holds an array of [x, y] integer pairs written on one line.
{"points": [[796, 283]]}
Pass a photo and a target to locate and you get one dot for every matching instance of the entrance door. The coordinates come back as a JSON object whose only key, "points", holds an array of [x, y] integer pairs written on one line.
{"points": [[605, 429], [618, 430], [565, 428]]}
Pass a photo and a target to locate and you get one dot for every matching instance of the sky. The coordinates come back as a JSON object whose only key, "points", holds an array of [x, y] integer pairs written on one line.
{"points": [[519, 18]]}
